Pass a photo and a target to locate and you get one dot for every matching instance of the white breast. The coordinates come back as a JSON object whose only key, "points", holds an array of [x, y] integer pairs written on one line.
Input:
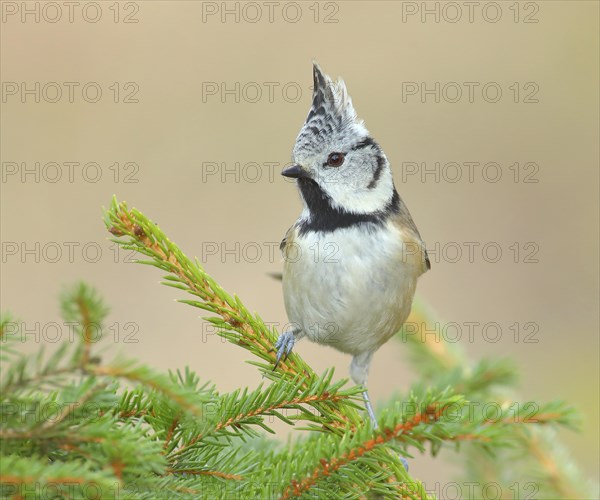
{"points": [[352, 288]]}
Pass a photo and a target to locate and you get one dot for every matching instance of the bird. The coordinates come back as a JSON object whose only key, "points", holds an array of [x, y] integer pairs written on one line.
{"points": [[352, 259]]}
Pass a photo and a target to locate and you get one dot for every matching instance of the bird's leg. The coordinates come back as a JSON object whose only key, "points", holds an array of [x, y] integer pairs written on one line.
{"points": [[285, 343], [359, 370], [370, 409]]}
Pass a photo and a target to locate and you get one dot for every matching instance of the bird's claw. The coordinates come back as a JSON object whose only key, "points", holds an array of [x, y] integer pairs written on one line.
{"points": [[284, 345]]}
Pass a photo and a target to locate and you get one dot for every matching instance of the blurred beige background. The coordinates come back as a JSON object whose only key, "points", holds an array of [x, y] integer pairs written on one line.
{"points": [[174, 59]]}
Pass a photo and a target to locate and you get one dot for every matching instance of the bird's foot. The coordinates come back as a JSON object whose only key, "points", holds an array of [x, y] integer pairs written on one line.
{"points": [[284, 345]]}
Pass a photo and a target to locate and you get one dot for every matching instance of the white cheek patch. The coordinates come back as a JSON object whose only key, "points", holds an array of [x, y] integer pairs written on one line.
{"points": [[362, 200]]}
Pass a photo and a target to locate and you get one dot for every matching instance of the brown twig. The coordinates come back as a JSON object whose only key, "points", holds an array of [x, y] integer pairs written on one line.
{"points": [[326, 468]]}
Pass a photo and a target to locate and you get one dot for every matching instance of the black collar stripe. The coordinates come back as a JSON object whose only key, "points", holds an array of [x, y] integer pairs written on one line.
{"points": [[326, 218]]}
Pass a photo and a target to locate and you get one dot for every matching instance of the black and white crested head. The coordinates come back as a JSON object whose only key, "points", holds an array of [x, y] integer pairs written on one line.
{"points": [[343, 175]]}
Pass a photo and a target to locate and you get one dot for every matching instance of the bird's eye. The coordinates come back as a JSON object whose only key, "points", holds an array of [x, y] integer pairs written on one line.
{"points": [[335, 159]]}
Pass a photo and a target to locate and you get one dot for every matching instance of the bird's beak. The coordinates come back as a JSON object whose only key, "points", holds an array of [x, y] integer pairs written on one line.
{"points": [[295, 172]]}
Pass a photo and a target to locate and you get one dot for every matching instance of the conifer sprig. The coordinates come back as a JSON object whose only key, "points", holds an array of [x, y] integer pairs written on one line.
{"points": [[173, 436], [238, 325]]}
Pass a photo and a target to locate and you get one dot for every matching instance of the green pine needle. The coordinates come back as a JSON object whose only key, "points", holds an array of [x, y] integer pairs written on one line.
{"points": [[75, 426]]}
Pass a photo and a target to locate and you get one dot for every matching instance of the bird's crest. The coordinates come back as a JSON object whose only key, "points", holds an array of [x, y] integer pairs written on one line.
{"points": [[331, 114], [330, 98]]}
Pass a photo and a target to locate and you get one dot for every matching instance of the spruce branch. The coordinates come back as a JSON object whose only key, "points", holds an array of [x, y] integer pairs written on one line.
{"points": [[171, 435], [234, 415], [239, 326], [82, 307], [348, 463]]}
